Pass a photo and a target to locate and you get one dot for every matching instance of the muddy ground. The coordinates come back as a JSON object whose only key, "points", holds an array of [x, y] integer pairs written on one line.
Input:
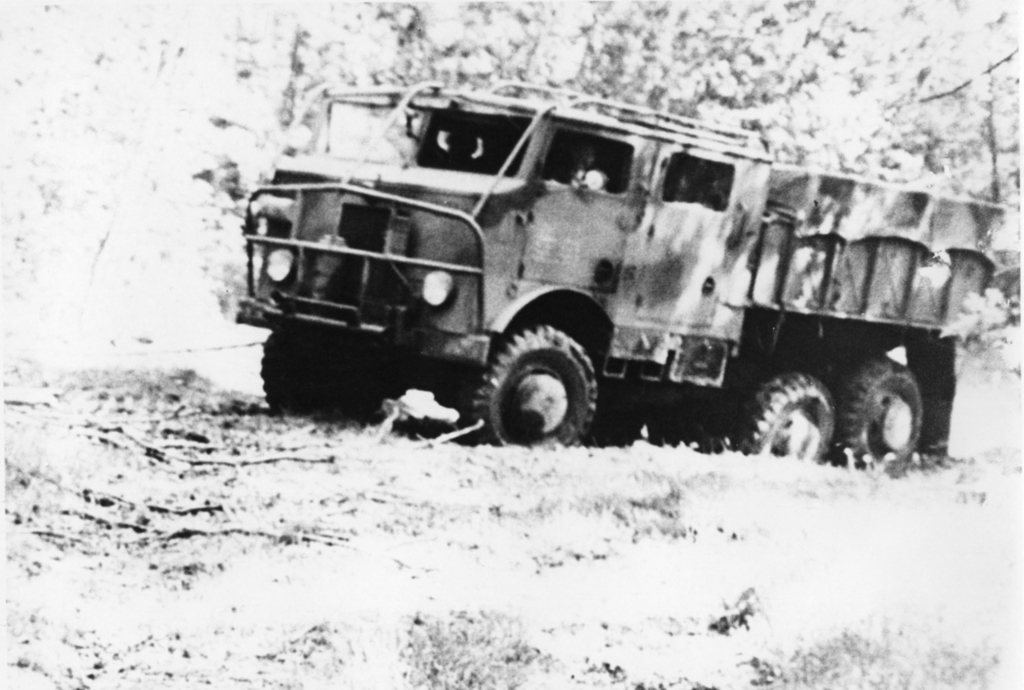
{"points": [[164, 531]]}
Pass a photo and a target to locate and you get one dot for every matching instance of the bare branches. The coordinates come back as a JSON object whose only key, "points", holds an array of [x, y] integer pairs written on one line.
{"points": [[326, 456], [105, 500], [451, 436], [163, 452], [287, 537], [103, 522], [967, 83]]}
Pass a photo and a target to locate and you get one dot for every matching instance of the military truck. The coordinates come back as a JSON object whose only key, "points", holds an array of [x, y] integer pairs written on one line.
{"points": [[542, 259]]}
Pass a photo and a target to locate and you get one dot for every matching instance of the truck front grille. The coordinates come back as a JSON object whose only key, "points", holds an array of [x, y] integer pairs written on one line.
{"points": [[364, 227], [369, 285]]}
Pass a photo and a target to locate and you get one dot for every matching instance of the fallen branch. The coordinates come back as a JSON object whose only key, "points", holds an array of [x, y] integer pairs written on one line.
{"points": [[188, 533], [183, 443], [186, 511], [388, 424], [101, 423], [138, 529], [55, 535], [265, 460], [388, 497], [153, 451], [105, 500], [106, 438], [30, 397], [161, 452], [451, 436]]}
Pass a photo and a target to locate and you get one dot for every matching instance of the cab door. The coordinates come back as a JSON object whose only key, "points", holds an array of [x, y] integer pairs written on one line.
{"points": [[685, 269], [587, 205]]}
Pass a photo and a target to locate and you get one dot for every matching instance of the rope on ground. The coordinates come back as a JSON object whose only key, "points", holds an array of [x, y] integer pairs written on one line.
{"points": [[130, 353]]}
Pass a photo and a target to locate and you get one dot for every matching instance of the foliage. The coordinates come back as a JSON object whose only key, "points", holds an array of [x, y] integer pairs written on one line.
{"points": [[988, 329], [133, 136]]}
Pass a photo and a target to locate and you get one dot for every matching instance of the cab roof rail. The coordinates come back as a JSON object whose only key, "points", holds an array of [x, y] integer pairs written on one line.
{"points": [[676, 123]]}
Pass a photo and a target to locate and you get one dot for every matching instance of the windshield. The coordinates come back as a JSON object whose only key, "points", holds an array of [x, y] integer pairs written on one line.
{"points": [[471, 142], [354, 132]]}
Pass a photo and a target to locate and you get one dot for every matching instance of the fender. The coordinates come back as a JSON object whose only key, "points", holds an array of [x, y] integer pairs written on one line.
{"points": [[501, 323]]}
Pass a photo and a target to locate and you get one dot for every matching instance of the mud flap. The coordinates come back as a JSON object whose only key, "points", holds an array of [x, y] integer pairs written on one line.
{"points": [[933, 362]]}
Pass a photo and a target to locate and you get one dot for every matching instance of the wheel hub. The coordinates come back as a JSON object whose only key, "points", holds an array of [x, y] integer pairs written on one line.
{"points": [[897, 423], [799, 436], [541, 403]]}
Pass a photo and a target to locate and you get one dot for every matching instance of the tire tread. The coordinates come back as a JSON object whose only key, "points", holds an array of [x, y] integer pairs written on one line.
{"points": [[520, 344], [855, 394], [769, 404]]}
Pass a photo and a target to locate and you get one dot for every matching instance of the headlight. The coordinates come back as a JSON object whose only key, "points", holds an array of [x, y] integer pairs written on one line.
{"points": [[279, 264], [438, 287], [271, 206]]}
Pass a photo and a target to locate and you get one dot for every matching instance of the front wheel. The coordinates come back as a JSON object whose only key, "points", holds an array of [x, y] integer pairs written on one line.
{"points": [[541, 389], [306, 371], [791, 415], [880, 411]]}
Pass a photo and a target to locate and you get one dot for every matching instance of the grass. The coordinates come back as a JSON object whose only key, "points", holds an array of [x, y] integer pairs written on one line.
{"points": [[583, 566], [483, 651], [888, 660], [44, 464]]}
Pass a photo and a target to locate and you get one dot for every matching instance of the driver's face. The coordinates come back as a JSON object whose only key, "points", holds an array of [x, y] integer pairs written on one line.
{"points": [[585, 158]]}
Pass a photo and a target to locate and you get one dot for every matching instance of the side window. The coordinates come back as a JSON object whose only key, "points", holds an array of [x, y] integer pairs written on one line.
{"points": [[692, 180], [588, 160]]}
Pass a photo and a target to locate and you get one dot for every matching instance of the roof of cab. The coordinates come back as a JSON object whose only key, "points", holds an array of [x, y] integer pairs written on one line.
{"points": [[571, 106]]}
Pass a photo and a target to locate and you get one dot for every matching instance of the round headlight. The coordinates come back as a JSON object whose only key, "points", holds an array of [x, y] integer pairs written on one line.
{"points": [[279, 264], [438, 287]]}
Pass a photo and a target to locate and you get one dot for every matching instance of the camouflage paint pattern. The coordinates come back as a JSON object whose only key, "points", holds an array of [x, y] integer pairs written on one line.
{"points": [[676, 278]]}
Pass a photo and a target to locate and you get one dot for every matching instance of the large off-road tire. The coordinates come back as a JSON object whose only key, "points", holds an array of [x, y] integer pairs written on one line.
{"points": [[282, 376], [303, 372], [540, 389], [791, 415], [879, 411]]}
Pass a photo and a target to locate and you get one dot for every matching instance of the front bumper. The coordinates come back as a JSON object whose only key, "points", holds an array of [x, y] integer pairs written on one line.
{"points": [[470, 349]]}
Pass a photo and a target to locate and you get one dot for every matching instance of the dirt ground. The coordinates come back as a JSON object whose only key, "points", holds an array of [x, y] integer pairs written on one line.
{"points": [[164, 531]]}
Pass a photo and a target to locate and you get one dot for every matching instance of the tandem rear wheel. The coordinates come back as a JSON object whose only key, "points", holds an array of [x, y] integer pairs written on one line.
{"points": [[880, 412], [790, 415]]}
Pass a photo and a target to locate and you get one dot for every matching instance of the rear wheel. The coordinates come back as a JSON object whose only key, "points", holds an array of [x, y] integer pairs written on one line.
{"points": [[791, 415], [541, 389], [880, 411]]}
